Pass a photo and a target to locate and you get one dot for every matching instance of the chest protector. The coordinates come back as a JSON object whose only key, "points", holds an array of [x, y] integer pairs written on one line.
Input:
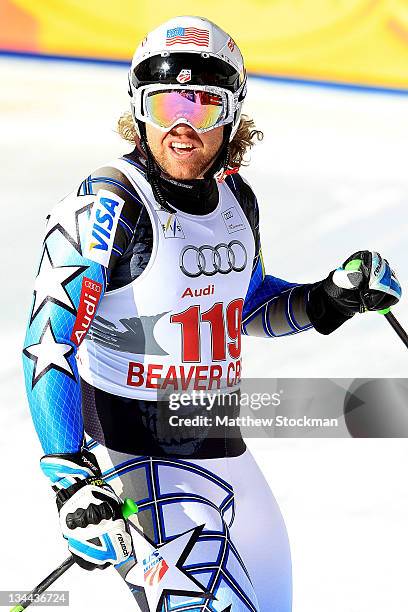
{"points": [[178, 325]]}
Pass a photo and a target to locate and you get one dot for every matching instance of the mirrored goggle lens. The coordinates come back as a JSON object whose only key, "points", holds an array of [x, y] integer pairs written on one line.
{"points": [[202, 109]]}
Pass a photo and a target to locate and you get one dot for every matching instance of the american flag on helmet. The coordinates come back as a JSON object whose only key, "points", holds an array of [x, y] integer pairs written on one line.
{"points": [[187, 36]]}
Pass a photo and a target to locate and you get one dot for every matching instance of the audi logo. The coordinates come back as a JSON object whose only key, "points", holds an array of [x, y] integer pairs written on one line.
{"points": [[208, 260]]}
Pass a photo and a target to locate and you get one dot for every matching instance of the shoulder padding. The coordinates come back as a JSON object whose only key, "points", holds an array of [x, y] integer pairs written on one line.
{"points": [[114, 180]]}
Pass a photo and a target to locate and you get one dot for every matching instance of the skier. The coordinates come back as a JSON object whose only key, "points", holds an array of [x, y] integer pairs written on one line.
{"points": [[149, 273]]}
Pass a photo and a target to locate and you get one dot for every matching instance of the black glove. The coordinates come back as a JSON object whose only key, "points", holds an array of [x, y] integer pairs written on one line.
{"points": [[365, 281]]}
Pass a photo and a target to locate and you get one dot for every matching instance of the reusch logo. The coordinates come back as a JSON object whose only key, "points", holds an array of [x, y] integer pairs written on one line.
{"points": [[87, 462], [379, 264], [122, 544]]}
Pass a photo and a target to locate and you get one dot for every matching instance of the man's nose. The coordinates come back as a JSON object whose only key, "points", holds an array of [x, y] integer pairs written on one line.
{"points": [[182, 129]]}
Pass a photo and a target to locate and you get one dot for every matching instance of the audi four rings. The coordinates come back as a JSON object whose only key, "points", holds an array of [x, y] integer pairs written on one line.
{"points": [[208, 260]]}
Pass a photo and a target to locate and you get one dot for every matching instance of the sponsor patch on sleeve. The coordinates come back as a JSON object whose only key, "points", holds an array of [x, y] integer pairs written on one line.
{"points": [[88, 303], [104, 220]]}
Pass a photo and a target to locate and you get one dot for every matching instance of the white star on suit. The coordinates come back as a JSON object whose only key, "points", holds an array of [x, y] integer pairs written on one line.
{"points": [[48, 354], [51, 282], [174, 579], [64, 217]]}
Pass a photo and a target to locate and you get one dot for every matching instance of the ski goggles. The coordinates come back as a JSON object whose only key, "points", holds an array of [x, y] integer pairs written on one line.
{"points": [[201, 107]]}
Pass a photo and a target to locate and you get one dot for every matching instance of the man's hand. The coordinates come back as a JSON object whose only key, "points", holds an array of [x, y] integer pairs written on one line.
{"points": [[365, 281], [90, 511]]}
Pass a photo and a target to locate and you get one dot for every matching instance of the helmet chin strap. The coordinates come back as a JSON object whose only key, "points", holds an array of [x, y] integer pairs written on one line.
{"points": [[154, 171], [222, 158]]}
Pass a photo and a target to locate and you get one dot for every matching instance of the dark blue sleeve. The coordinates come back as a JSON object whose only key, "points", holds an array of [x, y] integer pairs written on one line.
{"points": [[273, 307], [263, 287]]}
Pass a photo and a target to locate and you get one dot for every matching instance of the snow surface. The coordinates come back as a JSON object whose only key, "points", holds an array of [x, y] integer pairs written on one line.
{"points": [[330, 178]]}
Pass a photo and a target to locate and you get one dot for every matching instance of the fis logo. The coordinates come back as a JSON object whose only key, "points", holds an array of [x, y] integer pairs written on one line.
{"points": [[171, 225], [103, 223]]}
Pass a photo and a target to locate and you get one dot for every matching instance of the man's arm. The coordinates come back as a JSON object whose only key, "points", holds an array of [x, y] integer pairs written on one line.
{"points": [[274, 307], [85, 235]]}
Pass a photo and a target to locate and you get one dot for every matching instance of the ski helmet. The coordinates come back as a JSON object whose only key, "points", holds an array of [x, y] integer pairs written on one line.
{"points": [[192, 55]]}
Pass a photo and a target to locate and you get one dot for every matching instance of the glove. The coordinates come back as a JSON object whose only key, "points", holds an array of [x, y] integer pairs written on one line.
{"points": [[89, 510], [365, 281]]}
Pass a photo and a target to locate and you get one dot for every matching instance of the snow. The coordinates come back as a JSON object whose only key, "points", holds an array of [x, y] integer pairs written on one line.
{"points": [[331, 178]]}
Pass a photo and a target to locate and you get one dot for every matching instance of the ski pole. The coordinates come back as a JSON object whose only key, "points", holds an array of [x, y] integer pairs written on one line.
{"points": [[396, 326], [43, 586], [129, 507]]}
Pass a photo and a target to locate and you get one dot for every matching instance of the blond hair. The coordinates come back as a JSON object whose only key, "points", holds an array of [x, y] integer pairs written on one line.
{"points": [[244, 139]]}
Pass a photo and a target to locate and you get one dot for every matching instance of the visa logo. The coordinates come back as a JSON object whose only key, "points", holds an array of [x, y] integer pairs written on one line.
{"points": [[103, 226], [103, 223]]}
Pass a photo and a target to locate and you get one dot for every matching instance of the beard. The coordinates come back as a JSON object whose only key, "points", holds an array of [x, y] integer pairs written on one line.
{"points": [[180, 166], [187, 170]]}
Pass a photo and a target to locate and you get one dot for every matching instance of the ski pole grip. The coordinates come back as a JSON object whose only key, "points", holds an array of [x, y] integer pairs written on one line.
{"points": [[129, 507]]}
